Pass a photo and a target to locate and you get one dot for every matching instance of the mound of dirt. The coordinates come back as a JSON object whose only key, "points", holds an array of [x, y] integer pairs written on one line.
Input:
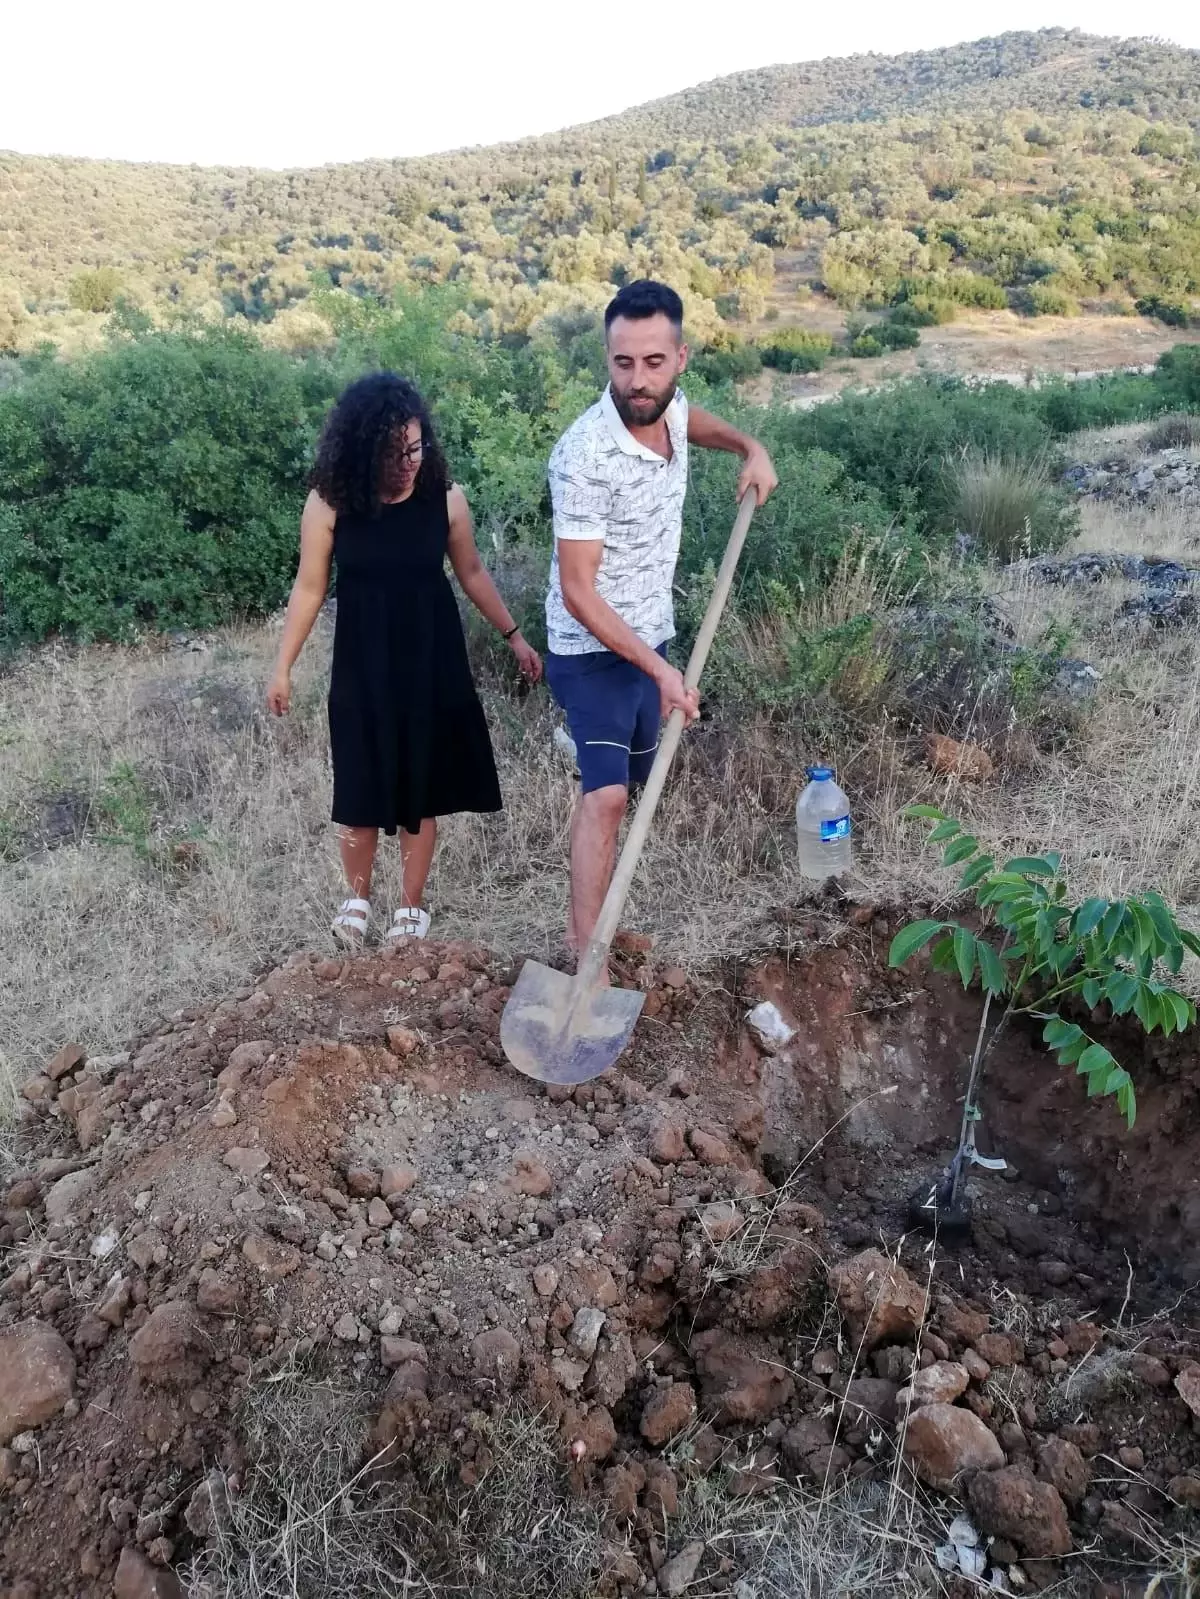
{"points": [[692, 1267]]}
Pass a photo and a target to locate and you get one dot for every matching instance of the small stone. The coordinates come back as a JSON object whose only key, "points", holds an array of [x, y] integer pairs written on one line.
{"points": [[530, 1177], [545, 1280], [378, 1214], [667, 1413], [948, 758], [771, 1031], [497, 1357], [877, 1297], [998, 1349], [69, 1059], [721, 1221], [1010, 1503], [419, 1219], [675, 1576], [345, 1328], [824, 1362], [247, 1163], [666, 1143], [1131, 1457], [362, 1182], [585, 1331], [37, 1376], [1148, 1369], [224, 1115], [447, 1321], [977, 1367], [939, 1384], [136, 1578], [68, 1193], [708, 1149], [1062, 1465], [1185, 1491], [274, 1260], [943, 1440], [397, 1180], [402, 1041], [169, 1351], [1187, 1386]]}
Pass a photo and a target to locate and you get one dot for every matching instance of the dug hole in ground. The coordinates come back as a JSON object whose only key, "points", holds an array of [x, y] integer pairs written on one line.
{"points": [[311, 1293]]}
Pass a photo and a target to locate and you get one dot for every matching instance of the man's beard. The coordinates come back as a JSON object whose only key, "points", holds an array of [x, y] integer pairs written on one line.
{"points": [[643, 413]]}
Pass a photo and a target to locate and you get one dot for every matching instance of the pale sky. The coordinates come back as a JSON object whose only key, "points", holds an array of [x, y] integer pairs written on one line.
{"points": [[298, 84]]}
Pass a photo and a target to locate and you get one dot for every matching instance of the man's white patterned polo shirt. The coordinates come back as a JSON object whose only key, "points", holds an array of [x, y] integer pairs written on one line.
{"points": [[605, 485]]}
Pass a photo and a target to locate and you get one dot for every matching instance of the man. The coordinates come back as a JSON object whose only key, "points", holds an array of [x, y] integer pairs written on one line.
{"points": [[617, 482]]}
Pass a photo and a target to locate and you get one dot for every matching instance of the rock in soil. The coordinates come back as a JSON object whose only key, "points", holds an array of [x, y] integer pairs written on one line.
{"points": [[877, 1298], [942, 1441], [1013, 1504], [37, 1377]]}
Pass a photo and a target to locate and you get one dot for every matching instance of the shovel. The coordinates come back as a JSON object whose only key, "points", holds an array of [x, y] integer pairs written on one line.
{"points": [[567, 1030]]}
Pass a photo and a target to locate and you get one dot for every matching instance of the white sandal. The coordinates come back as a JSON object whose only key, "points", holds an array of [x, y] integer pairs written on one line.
{"points": [[408, 922], [350, 924]]}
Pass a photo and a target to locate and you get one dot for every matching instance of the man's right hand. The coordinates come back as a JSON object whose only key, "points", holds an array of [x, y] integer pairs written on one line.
{"points": [[675, 697]]}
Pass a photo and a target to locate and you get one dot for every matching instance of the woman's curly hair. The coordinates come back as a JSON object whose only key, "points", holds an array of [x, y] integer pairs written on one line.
{"points": [[361, 439]]}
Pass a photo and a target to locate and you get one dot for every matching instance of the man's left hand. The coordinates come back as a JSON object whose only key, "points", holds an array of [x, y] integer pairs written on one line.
{"points": [[758, 473]]}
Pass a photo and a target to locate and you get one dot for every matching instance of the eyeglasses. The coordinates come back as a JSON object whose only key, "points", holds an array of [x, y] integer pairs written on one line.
{"points": [[410, 454]]}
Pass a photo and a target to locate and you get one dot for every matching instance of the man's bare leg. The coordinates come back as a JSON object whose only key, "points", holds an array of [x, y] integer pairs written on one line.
{"points": [[595, 827]]}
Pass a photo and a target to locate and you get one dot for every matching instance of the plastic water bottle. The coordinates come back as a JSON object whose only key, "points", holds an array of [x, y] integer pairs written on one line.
{"points": [[823, 826]]}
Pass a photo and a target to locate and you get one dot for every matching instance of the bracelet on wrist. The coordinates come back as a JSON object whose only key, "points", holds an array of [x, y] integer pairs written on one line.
{"points": [[512, 632]]}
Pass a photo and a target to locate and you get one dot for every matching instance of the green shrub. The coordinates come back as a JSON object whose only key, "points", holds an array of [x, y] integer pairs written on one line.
{"points": [[923, 312], [1048, 298], [95, 290], [730, 363], [1177, 377], [1008, 507], [1173, 312], [155, 485], [865, 345], [795, 350]]}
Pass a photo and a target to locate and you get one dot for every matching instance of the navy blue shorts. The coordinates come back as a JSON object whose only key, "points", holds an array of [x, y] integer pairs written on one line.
{"points": [[613, 712]]}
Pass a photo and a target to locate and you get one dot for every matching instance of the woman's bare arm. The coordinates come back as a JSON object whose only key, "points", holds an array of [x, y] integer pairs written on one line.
{"points": [[307, 596]]}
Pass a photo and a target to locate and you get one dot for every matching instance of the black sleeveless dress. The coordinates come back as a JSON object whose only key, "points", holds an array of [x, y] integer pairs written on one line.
{"points": [[407, 731]]}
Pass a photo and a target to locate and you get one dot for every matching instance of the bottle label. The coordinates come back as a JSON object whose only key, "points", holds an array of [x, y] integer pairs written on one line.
{"points": [[838, 827]]}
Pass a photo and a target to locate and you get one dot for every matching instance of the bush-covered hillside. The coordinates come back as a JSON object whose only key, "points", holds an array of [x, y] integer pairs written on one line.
{"points": [[1037, 170]]}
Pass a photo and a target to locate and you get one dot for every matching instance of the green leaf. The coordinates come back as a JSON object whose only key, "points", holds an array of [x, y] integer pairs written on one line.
{"points": [[1147, 937], [1088, 917], [1091, 990], [1033, 865], [1185, 1011], [959, 850], [1094, 1060], [910, 939], [1173, 959], [976, 870], [991, 969], [1127, 1102], [1165, 925], [964, 955], [923, 813], [1058, 1033], [943, 831], [1146, 1007], [1120, 990], [941, 956], [1190, 941], [1110, 922]]}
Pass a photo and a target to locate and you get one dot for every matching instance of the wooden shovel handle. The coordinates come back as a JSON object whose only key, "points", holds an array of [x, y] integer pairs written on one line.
{"points": [[614, 901]]}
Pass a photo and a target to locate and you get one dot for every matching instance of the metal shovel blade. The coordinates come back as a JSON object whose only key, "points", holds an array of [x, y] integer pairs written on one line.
{"points": [[557, 1032]]}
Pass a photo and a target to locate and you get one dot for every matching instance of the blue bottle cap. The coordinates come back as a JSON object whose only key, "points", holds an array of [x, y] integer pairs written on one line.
{"points": [[820, 774]]}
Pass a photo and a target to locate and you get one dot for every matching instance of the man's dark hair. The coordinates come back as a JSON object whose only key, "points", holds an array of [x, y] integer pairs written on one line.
{"points": [[646, 298]]}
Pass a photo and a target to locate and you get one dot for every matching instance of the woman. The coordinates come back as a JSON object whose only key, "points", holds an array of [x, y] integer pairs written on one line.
{"points": [[406, 728]]}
